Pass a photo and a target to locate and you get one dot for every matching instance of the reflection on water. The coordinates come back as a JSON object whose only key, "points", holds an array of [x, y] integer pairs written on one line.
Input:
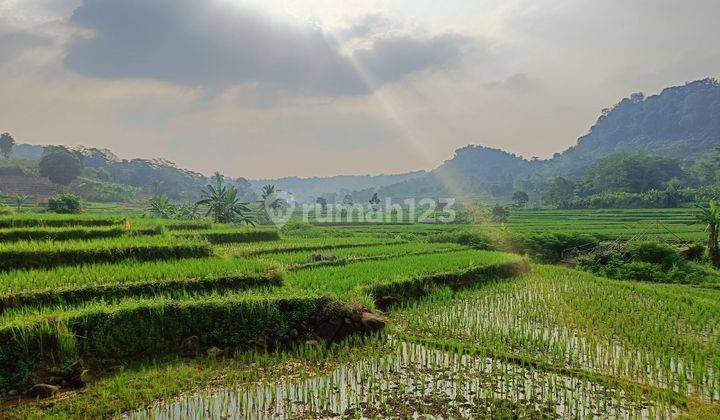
{"points": [[414, 380]]}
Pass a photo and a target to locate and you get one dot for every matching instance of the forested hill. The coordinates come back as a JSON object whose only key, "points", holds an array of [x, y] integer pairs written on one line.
{"points": [[681, 122]]}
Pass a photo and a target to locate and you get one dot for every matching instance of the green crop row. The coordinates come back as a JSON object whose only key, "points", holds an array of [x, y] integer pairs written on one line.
{"points": [[70, 233], [46, 254], [145, 328], [355, 281], [232, 236], [46, 220], [302, 258], [125, 272]]}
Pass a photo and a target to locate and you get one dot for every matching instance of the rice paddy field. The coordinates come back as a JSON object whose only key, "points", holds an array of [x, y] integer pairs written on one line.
{"points": [[191, 319]]}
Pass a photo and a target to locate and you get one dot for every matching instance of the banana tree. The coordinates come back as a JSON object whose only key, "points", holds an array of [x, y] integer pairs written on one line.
{"points": [[710, 215], [223, 202]]}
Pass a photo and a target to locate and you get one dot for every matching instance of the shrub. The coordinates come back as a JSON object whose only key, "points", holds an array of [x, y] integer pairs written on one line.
{"points": [[655, 253], [641, 270], [6, 211], [552, 247], [474, 239], [65, 204]]}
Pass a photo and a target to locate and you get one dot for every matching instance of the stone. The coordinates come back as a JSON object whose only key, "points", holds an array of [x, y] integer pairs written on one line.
{"points": [[12, 393], [214, 352], [327, 330], [42, 391], [190, 347], [372, 322]]}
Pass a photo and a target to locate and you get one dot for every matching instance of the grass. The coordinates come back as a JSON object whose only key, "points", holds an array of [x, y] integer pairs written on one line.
{"points": [[143, 327], [473, 333], [303, 258], [47, 254], [125, 272], [230, 236], [25, 220], [351, 282], [70, 233]]}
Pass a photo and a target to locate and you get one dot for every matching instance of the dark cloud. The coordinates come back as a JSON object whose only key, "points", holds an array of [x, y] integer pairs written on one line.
{"points": [[205, 44], [390, 59]]}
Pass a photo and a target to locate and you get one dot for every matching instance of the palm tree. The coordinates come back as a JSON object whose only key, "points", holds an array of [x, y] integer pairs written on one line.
{"points": [[711, 216], [223, 202], [267, 191]]}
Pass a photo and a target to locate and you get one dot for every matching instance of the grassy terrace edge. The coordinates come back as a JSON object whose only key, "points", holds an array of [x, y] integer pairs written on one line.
{"points": [[102, 331]]}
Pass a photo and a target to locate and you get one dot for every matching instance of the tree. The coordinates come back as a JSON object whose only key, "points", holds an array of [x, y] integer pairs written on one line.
{"points": [[6, 144], [560, 192], [322, 203], [223, 202], [520, 199], [632, 172], [348, 200], [20, 200], [267, 191], [375, 202], [161, 207], [499, 214], [60, 165], [710, 215]]}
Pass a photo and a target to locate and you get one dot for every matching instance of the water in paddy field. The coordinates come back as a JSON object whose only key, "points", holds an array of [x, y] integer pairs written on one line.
{"points": [[417, 381]]}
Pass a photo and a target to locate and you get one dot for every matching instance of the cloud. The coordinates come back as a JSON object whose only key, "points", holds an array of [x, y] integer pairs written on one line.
{"points": [[13, 44], [518, 82], [216, 45]]}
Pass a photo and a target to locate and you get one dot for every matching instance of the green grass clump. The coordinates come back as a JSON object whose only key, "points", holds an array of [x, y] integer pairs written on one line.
{"points": [[46, 254], [69, 233]]}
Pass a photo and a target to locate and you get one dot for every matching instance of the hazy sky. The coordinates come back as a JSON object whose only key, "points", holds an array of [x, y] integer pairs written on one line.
{"points": [[323, 87]]}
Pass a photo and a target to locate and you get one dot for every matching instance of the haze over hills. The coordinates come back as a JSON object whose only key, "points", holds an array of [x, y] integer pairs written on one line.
{"points": [[682, 122]]}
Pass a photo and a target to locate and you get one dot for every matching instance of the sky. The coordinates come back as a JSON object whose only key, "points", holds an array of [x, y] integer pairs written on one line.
{"points": [[265, 89]]}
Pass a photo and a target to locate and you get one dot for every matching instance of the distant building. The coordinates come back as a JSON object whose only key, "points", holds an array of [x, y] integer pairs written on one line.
{"points": [[36, 187]]}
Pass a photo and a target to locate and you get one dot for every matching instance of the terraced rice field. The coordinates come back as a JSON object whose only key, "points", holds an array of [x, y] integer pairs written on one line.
{"points": [[667, 224], [470, 333]]}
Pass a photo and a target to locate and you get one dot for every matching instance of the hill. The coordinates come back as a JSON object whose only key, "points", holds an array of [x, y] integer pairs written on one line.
{"points": [[681, 122]]}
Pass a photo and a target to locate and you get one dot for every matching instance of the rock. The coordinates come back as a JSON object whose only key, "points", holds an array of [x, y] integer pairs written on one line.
{"points": [[312, 342], [372, 322], [214, 352], [190, 347], [12, 393], [42, 391], [79, 379], [293, 333], [327, 330], [384, 302], [267, 338]]}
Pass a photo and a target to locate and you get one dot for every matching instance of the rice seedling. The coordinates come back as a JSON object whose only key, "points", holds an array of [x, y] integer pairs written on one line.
{"points": [[665, 336], [37, 254], [70, 233]]}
